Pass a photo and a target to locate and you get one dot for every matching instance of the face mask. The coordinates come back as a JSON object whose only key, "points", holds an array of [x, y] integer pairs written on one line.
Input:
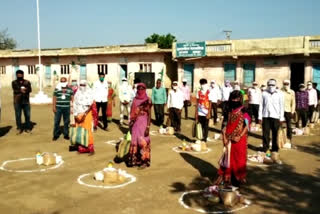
{"points": [[63, 84], [301, 89], [175, 87], [82, 88], [204, 87], [125, 83], [20, 78], [74, 83], [235, 104], [101, 79], [272, 89], [286, 87], [184, 83], [212, 85], [309, 87]]}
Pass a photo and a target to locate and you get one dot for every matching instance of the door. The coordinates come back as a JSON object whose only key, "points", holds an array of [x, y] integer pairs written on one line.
{"points": [[230, 72], [248, 74], [297, 75], [83, 72], [123, 71], [48, 75], [188, 70], [316, 75], [15, 68]]}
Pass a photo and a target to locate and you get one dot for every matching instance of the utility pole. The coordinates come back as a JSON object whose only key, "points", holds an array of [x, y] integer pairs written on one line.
{"points": [[228, 34]]}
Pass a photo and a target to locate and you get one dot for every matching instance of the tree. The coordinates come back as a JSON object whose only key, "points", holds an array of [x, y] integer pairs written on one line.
{"points": [[164, 41], [6, 42]]}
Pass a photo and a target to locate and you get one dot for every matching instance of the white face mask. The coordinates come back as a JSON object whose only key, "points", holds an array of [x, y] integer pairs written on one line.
{"points": [[63, 84], [125, 83], [272, 89], [301, 89], [286, 87], [175, 87], [212, 85], [204, 87], [82, 88], [309, 87]]}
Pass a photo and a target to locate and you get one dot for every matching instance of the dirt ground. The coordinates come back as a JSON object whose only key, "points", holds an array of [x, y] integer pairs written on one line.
{"points": [[293, 187]]}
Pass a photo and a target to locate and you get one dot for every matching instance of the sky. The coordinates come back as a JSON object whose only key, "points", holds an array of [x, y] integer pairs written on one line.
{"points": [[75, 23]]}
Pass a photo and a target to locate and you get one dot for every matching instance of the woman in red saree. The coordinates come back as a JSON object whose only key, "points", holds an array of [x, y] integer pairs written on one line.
{"points": [[139, 153], [235, 136]]}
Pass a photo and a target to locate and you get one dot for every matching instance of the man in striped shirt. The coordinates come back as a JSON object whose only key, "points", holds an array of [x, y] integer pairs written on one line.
{"points": [[62, 98]]}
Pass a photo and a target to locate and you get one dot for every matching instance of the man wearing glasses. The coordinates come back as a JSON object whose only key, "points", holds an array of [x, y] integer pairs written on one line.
{"points": [[271, 113]]}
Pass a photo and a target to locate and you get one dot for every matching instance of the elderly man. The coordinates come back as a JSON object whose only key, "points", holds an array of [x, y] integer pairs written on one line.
{"points": [[61, 104], [21, 99], [254, 94], [186, 97], [125, 96], [271, 113], [313, 100], [175, 105], [289, 106], [101, 97]]}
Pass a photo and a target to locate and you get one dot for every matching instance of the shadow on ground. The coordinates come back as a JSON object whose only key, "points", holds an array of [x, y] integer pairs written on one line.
{"points": [[5, 130]]}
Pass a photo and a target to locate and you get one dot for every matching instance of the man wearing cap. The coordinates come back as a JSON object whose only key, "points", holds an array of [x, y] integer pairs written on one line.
{"points": [[186, 97], [302, 105], [236, 86], [226, 90], [159, 99], [101, 97], [175, 105], [313, 100], [125, 97], [214, 97], [271, 113], [61, 104], [254, 101], [289, 106]]}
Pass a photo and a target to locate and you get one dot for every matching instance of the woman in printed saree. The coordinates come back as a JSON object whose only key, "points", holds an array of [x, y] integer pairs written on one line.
{"points": [[111, 102], [234, 136], [82, 111], [139, 153]]}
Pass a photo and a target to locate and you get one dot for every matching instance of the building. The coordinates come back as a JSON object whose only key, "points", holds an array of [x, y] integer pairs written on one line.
{"points": [[146, 61], [293, 58]]}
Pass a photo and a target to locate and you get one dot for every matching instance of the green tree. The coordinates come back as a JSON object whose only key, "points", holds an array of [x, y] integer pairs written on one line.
{"points": [[7, 42], [164, 41]]}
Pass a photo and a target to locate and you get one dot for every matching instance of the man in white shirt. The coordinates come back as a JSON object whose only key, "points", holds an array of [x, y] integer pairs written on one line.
{"points": [[313, 100], [236, 86], [186, 97], [125, 96], [101, 98], [254, 95], [175, 105], [214, 97], [271, 112]]}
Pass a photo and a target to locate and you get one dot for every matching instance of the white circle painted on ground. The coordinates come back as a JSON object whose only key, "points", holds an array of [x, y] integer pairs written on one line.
{"points": [[112, 142], [204, 211], [2, 167], [156, 133], [131, 178], [176, 149]]}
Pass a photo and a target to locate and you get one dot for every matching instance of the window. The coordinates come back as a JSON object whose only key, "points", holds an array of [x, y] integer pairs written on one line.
{"points": [[248, 73], [32, 69], [103, 68], [315, 43], [145, 68], [3, 70], [64, 69], [230, 72]]}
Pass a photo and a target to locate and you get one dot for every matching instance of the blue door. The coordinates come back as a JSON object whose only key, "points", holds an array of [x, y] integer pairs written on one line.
{"points": [[16, 67], [123, 71], [316, 75], [230, 71], [83, 72], [248, 74], [48, 75], [188, 70]]}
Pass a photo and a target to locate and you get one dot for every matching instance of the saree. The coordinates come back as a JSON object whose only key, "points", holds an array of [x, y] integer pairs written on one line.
{"points": [[87, 124], [139, 153], [111, 95], [237, 121]]}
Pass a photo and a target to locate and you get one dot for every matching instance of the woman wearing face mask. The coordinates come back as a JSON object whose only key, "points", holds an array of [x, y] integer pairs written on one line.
{"points": [[234, 137], [140, 116]]}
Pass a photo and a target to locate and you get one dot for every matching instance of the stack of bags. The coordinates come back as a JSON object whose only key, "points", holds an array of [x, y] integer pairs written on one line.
{"points": [[47, 158], [198, 146], [111, 176], [167, 131]]}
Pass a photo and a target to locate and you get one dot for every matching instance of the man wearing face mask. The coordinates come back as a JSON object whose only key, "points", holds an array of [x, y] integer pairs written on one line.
{"points": [[101, 97], [175, 105], [254, 101], [203, 111], [313, 100], [21, 94], [236, 86], [271, 113], [186, 97], [289, 106], [125, 96], [61, 104], [214, 97], [302, 100]]}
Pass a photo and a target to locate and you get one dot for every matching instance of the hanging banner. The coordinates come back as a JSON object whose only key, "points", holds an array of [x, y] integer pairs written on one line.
{"points": [[191, 49]]}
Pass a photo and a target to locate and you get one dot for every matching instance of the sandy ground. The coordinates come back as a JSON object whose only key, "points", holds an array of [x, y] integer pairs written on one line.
{"points": [[293, 187]]}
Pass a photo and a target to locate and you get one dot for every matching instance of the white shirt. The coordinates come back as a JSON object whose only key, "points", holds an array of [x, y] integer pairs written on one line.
{"points": [[125, 93], [254, 96], [313, 98], [215, 94], [101, 91], [271, 105], [226, 90], [175, 99]]}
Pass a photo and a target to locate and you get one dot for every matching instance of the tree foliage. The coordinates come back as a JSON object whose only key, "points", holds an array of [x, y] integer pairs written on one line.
{"points": [[164, 41], [7, 42]]}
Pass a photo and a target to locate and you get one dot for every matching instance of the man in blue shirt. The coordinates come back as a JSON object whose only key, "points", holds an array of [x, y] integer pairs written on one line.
{"points": [[159, 99]]}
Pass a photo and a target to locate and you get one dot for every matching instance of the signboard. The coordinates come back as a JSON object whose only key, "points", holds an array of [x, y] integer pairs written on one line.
{"points": [[191, 49], [146, 78]]}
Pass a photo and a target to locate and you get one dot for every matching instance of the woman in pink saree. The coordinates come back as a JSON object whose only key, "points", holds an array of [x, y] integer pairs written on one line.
{"points": [[139, 154]]}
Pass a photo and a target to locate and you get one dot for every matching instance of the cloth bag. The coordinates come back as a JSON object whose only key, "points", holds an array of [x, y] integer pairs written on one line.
{"points": [[124, 146], [79, 135], [282, 137], [199, 134], [225, 158]]}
